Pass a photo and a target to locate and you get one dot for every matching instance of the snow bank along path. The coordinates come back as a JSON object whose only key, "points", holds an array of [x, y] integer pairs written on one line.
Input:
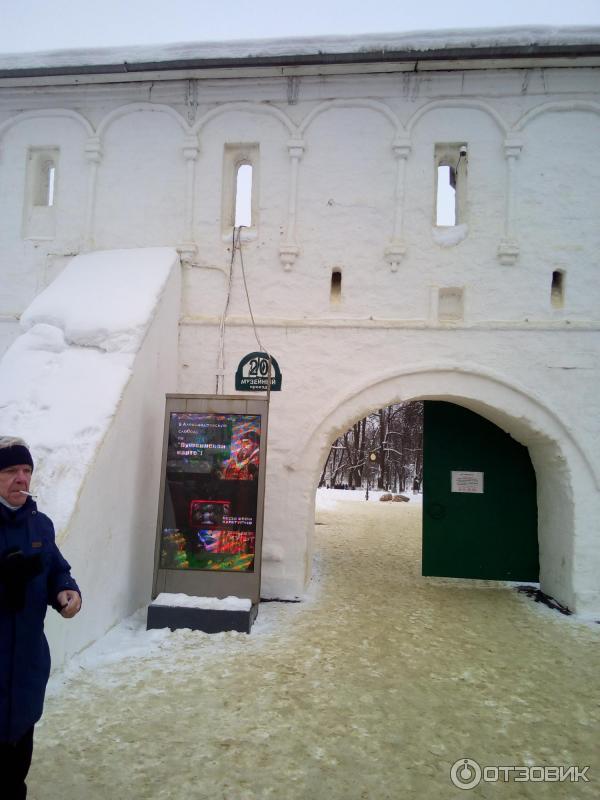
{"points": [[84, 385], [62, 379], [368, 690]]}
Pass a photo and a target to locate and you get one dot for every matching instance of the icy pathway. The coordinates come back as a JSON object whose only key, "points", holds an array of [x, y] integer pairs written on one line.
{"points": [[369, 690]]}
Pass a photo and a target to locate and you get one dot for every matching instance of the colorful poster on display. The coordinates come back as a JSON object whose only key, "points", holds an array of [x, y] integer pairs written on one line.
{"points": [[211, 492]]}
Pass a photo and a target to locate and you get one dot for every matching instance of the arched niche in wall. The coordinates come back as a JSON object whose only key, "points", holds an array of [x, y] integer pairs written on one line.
{"points": [[467, 137], [346, 193], [141, 184], [557, 206], [231, 136], [43, 190]]}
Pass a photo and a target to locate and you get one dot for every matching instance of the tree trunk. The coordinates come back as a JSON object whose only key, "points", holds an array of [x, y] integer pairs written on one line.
{"points": [[382, 453], [361, 449], [322, 478]]}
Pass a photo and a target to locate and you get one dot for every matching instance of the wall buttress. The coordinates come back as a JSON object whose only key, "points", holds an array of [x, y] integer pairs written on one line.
{"points": [[508, 249], [191, 149], [396, 249], [289, 250], [93, 154]]}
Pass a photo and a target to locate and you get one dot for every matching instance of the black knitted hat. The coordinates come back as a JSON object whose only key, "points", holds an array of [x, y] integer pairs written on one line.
{"points": [[252, 435], [15, 454]]}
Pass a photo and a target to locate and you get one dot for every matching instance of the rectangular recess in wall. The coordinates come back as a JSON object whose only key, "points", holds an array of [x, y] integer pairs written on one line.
{"points": [[335, 294], [450, 161], [451, 304], [41, 187], [557, 289], [240, 188]]}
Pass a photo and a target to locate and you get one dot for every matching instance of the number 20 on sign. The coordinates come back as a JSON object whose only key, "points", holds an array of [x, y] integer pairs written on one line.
{"points": [[252, 374]]}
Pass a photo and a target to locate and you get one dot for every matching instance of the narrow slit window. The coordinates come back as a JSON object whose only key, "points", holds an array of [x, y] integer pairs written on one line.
{"points": [[557, 289], [240, 206], [42, 182], [51, 176], [450, 200], [45, 182], [243, 196], [336, 285], [446, 195]]}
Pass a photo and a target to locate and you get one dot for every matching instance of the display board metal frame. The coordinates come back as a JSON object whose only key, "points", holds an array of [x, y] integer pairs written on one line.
{"points": [[208, 582]]}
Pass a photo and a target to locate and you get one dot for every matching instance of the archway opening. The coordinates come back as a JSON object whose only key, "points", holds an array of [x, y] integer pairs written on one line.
{"points": [[477, 483], [382, 451], [563, 469]]}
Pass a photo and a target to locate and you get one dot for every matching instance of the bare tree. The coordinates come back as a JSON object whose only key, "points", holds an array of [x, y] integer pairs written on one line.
{"points": [[395, 435]]}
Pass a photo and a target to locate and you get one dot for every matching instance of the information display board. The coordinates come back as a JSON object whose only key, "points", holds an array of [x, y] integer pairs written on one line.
{"points": [[210, 516]]}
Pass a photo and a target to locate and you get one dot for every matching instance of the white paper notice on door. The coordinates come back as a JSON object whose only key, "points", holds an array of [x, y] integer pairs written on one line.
{"points": [[466, 482]]}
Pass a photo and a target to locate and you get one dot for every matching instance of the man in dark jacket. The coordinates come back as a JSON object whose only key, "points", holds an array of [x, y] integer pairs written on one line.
{"points": [[33, 575]]}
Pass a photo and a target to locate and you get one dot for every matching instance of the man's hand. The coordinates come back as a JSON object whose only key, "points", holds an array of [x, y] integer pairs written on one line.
{"points": [[69, 602]]}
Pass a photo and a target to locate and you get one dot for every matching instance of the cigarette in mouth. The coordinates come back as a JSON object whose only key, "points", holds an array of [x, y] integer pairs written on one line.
{"points": [[22, 491]]}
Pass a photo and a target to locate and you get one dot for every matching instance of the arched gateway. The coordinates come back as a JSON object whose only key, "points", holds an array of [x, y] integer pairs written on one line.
{"points": [[555, 454]]}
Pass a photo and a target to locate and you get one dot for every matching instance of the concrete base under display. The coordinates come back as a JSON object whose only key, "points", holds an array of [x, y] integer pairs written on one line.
{"points": [[209, 620]]}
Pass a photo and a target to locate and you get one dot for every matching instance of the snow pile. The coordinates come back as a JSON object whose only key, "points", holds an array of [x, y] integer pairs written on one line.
{"points": [[450, 235], [104, 299], [127, 640], [328, 498], [62, 379], [414, 41], [230, 603]]}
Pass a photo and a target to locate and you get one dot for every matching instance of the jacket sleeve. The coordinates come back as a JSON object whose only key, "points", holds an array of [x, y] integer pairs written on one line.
{"points": [[59, 573], [59, 578]]}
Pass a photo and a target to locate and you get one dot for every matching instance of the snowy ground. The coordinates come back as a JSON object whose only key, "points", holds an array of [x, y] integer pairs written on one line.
{"points": [[370, 689], [328, 498]]}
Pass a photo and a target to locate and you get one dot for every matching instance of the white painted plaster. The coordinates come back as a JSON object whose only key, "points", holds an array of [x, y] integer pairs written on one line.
{"points": [[29, 264], [9, 330], [449, 236], [151, 165]]}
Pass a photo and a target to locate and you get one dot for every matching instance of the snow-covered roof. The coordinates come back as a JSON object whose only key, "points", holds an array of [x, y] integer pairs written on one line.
{"points": [[476, 42]]}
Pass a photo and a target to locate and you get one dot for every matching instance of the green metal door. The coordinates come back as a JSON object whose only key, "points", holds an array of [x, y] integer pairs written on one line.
{"points": [[479, 499]]}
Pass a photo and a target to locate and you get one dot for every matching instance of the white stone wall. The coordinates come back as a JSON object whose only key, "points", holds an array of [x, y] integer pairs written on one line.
{"points": [[346, 181]]}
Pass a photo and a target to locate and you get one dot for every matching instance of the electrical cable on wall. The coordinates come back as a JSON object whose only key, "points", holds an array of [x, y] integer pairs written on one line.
{"points": [[256, 336], [236, 246], [220, 376]]}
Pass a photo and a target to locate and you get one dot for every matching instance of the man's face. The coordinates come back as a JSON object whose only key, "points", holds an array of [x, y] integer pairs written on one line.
{"points": [[246, 446], [13, 481]]}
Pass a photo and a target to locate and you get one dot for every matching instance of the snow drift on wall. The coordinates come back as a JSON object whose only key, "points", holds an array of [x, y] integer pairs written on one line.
{"points": [[62, 379], [417, 41]]}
